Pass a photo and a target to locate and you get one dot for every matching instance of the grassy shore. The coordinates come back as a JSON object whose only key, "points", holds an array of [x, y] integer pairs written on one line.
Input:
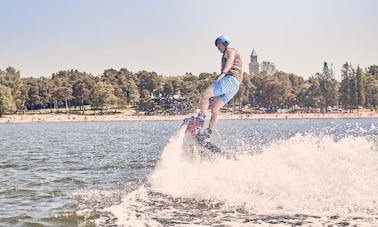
{"points": [[29, 118]]}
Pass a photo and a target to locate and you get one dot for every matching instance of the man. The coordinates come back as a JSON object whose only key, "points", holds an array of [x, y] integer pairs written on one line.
{"points": [[224, 88]]}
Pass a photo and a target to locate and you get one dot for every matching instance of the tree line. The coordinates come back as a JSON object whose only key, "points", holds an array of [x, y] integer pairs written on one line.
{"points": [[151, 93]]}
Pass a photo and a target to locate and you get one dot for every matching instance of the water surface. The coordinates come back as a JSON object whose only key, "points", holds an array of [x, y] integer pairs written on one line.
{"points": [[133, 173]]}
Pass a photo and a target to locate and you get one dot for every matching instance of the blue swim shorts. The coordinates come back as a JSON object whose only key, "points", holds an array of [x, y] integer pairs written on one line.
{"points": [[226, 88]]}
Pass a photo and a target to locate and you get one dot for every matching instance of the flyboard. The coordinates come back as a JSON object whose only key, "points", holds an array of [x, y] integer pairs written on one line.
{"points": [[195, 144]]}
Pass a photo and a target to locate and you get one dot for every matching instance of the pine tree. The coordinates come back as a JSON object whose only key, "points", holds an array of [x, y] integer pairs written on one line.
{"points": [[345, 88], [329, 87], [360, 87]]}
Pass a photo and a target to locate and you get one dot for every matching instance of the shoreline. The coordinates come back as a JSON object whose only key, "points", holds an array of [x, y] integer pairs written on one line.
{"points": [[38, 118]]}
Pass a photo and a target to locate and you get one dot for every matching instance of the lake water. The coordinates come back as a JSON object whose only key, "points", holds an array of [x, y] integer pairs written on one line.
{"points": [[133, 173]]}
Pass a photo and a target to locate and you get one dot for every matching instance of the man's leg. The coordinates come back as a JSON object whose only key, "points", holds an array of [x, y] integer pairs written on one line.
{"points": [[205, 96], [218, 103]]}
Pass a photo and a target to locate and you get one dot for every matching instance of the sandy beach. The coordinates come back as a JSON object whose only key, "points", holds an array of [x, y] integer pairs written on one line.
{"points": [[35, 118]]}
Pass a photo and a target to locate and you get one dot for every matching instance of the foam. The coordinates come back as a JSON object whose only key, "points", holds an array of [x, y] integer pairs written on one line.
{"points": [[305, 174]]}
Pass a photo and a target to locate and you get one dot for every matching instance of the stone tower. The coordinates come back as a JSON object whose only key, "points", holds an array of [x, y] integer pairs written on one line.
{"points": [[253, 66]]}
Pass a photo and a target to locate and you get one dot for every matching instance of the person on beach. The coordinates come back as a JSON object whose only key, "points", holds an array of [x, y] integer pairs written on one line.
{"points": [[224, 88]]}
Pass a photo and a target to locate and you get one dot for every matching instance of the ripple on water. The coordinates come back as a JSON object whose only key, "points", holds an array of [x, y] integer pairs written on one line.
{"points": [[72, 174]]}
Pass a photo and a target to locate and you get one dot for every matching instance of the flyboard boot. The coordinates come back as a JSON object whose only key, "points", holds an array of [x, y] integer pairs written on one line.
{"points": [[198, 133], [194, 124]]}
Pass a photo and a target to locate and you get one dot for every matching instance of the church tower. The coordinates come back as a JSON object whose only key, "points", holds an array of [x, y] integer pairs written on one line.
{"points": [[253, 66]]}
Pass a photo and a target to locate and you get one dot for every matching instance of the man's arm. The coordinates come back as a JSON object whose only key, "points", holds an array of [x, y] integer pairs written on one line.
{"points": [[230, 56]]}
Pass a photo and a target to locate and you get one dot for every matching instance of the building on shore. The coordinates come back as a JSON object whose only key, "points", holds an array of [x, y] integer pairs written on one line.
{"points": [[254, 65]]}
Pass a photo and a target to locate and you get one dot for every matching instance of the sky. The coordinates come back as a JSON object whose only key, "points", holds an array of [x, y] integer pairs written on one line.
{"points": [[172, 37]]}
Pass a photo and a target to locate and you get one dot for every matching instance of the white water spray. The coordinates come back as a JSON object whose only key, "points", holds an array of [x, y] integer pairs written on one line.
{"points": [[304, 174]]}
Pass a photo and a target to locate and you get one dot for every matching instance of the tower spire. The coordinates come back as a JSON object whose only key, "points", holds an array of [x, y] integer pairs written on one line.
{"points": [[253, 65]]}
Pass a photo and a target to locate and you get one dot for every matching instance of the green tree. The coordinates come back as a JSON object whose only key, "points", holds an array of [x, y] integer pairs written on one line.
{"points": [[352, 88], [131, 92], [81, 92], [7, 103], [371, 86], [268, 67], [172, 86], [145, 102], [310, 95], [297, 86], [329, 88], [246, 90], [130, 87], [104, 95], [149, 81], [189, 89], [346, 85], [273, 90], [373, 70], [117, 80], [33, 94], [63, 92], [12, 79], [168, 90], [205, 80], [360, 87], [46, 90], [371, 90]]}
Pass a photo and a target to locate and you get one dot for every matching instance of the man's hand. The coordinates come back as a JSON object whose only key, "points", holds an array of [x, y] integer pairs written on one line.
{"points": [[220, 76]]}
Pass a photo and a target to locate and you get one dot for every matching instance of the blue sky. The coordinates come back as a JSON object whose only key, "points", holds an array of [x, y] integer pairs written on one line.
{"points": [[172, 37]]}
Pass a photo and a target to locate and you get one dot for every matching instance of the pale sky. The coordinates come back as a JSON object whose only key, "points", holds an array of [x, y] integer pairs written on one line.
{"points": [[172, 37]]}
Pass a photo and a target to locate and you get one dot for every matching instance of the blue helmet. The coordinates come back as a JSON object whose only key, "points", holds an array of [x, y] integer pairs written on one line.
{"points": [[222, 39]]}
